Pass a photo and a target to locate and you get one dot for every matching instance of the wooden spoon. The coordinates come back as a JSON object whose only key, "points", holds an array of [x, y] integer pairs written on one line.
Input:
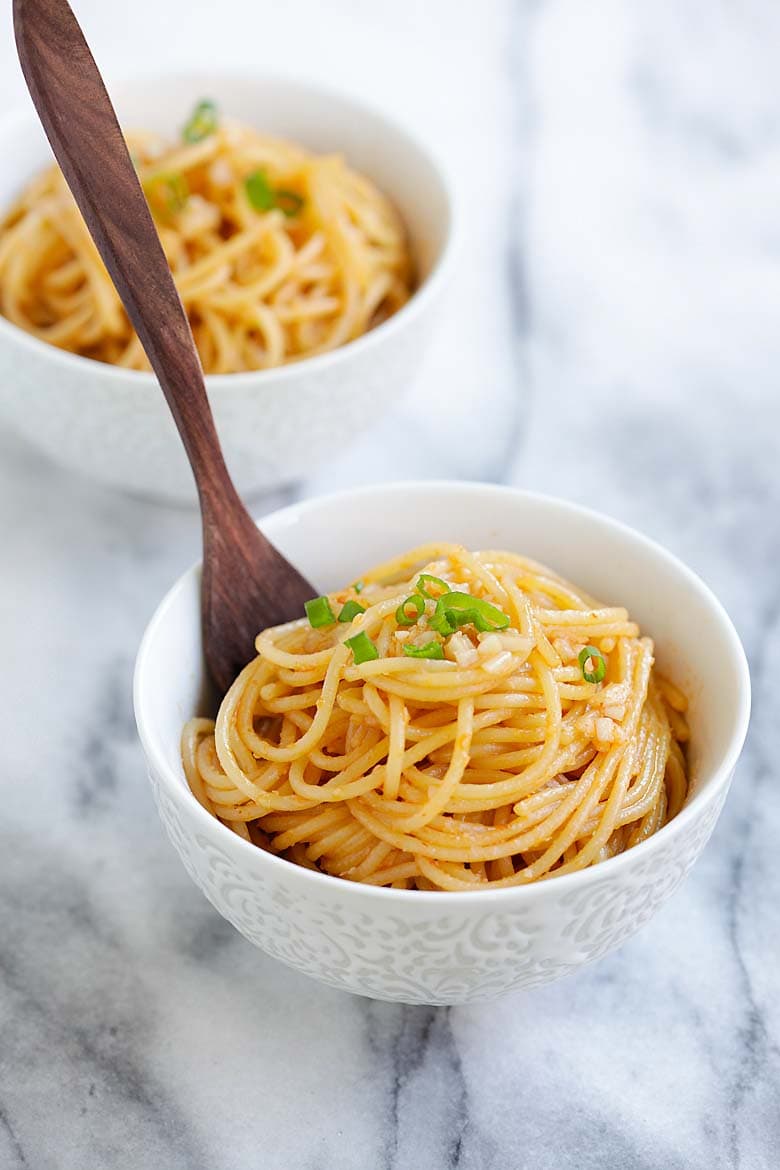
{"points": [[247, 584]]}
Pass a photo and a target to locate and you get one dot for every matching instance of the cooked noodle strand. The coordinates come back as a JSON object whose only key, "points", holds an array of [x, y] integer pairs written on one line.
{"points": [[261, 287], [495, 765]]}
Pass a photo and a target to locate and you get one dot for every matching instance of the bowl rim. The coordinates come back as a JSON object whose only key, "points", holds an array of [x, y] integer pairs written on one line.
{"points": [[322, 882], [20, 117]]}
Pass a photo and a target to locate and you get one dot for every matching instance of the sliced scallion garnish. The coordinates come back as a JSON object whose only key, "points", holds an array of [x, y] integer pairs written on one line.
{"points": [[441, 586], [264, 197], [350, 609], [319, 612], [433, 650], [481, 613], [440, 622], [288, 202], [203, 122], [598, 664], [402, 615], [259, 191], [455, 609], [363, 649], [167, 192]]}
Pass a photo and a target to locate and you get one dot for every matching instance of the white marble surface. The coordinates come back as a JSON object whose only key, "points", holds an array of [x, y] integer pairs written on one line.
{"points": [[613, 338]]}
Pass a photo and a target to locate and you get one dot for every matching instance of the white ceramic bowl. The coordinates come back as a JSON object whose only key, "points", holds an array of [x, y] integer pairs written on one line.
{"points": [[275, 425], [421, 947]]}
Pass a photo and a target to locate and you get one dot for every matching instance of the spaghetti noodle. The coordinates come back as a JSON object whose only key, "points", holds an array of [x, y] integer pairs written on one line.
{"points": [[456, 721], [277, 253]]}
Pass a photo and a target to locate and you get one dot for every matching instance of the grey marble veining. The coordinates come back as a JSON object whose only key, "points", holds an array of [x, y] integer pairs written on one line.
{"points": [[613, 338]]}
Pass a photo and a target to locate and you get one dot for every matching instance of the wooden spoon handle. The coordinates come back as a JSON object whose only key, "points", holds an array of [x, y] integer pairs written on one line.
{"points": [[81, 126]]}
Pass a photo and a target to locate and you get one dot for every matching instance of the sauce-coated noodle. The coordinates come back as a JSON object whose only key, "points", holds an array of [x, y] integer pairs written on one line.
{"points": [[494, 765], [277, 253]]}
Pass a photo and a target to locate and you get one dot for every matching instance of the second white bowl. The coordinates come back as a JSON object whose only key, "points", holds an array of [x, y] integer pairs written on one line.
{"points": [[275, 425]]}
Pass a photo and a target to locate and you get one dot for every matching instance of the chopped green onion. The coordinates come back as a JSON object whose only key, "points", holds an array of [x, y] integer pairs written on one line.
{"points": [[597, 661], [288, 202], [461, 609], [469, 617], [168, 190], [481, 613], [363, 649], [440, 622], [429, 650], [178, 192], [202, 122], [350, 610], [402, 617], [264, 197], [259, 191], [319, 612], [359, 586], [434, 581]]}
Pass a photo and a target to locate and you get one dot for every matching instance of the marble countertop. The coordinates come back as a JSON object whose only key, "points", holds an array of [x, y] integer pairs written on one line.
{"points": [[613, 338]]}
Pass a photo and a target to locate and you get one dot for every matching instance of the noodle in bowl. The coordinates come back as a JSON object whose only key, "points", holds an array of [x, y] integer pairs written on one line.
{"points": [[455, 729], [328, 377], [437, 945], [277, 253]]}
